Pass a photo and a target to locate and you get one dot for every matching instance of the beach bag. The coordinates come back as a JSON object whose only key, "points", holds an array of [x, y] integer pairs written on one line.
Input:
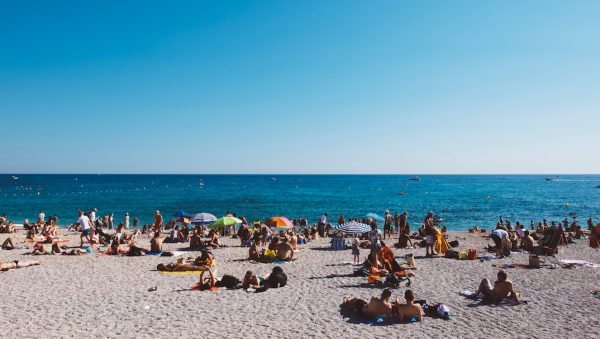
{"points": [[452, 254], [269, 254], [453, 243], [463, 255], [534, 261], [392, 281], [228, 281], [472, 254]]}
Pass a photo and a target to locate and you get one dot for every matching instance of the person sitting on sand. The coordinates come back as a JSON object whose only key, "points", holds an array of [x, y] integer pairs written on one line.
{"points": [[503, 288], [274, 244], [294, 241], [251, 281], [409, 311], [527, 242], [10, 228], [206, 283], [156, 243], [39, 249], [214, 239], [276, 279], [116, 249], [253, 252], [285, 251], [5, 266]]}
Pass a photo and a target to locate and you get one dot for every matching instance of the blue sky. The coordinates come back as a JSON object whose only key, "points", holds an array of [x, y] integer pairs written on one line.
{"points": [[300, 87]]}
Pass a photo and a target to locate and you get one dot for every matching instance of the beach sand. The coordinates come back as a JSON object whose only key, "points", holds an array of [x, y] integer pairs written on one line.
{"points": [[106, 296]]}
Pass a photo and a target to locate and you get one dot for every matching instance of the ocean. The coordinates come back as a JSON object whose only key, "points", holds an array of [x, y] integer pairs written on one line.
{"points": [[463, 201]]}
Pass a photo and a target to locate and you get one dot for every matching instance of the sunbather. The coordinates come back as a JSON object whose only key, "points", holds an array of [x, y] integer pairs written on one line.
{"points": [[409, 311], [251, 281], [503, 288], [8, 244], [276, 279], [5, 266], [376, 307]]}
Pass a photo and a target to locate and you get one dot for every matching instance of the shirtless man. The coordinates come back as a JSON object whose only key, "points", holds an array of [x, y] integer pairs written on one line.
{"points": [[387, 225], [285, 251], [158, 221], [378, 307], [156, 243], [527, 242], [408, 311], [251, 281], [502, 289]]}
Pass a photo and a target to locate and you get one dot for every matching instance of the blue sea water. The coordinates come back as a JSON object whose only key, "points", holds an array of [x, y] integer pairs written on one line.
{"points": [[462, 200]]}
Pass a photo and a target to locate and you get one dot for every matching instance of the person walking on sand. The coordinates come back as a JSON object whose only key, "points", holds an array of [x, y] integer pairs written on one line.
{"points": [[85, 225]]}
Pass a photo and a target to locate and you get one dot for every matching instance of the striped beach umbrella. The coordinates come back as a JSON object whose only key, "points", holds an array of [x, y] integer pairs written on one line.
{"points": [[203, 218], [353, 227]]}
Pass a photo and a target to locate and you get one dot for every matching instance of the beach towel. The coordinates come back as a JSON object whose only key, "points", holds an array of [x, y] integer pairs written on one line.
{"points": [[512, 265], [179, 272], [581, 263]]}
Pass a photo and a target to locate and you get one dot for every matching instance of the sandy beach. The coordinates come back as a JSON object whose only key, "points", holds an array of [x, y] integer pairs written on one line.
{"points": [[106, 296]]}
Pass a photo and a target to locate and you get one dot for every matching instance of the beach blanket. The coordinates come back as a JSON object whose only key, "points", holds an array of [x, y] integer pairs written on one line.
{"points": [[581, 263], [179, 272]]}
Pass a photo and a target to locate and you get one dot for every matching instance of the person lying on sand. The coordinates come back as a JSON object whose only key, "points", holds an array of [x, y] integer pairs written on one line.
{"points": [[9, 228], [5, 266], [375, 308], [276, 279], [116, 249], [503, 288], [251, 281], [205, 260], [8, 244], [409, 311]]}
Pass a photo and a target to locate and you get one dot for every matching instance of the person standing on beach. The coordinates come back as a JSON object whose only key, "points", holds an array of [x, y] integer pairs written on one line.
{"points": [[387, 224], [429, 234], [41, 217], [375, 237], [126, 220], [158, 221], [136, 222], [403, 223], [111, 220], [93, 215]]}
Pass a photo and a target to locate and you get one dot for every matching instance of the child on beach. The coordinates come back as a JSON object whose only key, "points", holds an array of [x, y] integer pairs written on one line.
{"points": [[356, 251]]}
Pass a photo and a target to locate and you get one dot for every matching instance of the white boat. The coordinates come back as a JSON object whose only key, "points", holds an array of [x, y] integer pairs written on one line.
{"points": [[14, 177], [415, 178], [553, 178]]}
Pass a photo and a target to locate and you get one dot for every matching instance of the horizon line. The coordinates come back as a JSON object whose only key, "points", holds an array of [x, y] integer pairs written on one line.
{"points": [[282, 174]]}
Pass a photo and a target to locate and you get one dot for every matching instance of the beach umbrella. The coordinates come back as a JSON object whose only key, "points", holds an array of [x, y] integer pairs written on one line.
{"points": [[374, 216], [225, 222], [353, 227], [280, 223], [203, 218], [182, 214]]}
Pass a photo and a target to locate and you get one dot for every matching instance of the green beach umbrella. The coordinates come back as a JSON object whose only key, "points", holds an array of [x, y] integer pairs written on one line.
{"points": [[224, 222]]}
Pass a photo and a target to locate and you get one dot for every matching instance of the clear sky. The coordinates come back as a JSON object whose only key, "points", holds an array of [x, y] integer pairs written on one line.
{"points": [[300, 86]]}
